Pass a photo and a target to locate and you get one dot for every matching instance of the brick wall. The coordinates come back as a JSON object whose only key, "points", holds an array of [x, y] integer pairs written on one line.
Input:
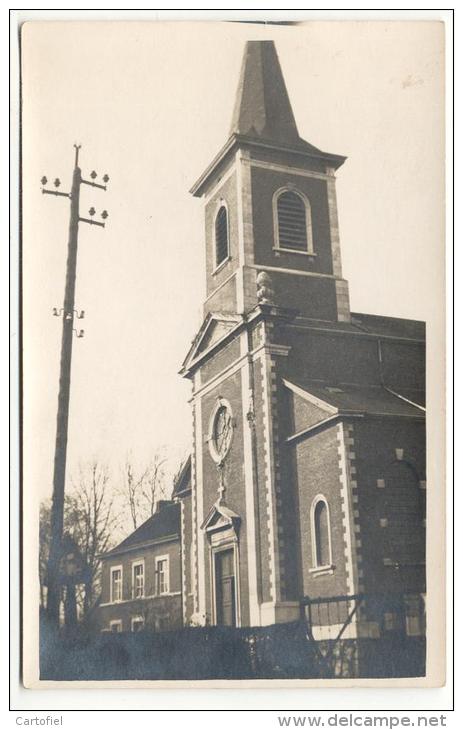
{"points": [[224, 298], [333, 358], [379, 477], [318, 472], [264, 184], [233, 475], [304, 414], [227, 193], [129, 607], [162, 613], [404, 364], [220, 360], [351, 358], [288, 158]]}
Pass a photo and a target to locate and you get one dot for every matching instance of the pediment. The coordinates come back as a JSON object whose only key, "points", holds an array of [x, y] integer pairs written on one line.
{"points": [[215, 328], [220, 517]]}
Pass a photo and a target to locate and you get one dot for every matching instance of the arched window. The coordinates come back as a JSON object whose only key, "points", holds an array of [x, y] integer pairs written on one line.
{"points": [[221, 235], [403, 504], [321, 538], [293, 222]]}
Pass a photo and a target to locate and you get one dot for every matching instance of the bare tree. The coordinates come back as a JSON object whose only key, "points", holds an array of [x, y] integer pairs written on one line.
{"points": [[142, 489], [154, 484], [132, 490], [93, 522]]}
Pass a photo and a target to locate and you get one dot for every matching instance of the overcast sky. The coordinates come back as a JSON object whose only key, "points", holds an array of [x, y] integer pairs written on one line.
{"points": [[151, 104]]}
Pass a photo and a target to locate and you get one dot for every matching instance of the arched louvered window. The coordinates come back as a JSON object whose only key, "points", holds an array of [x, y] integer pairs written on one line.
{"points": [[321, 538], [293, 222], [221, 235]]}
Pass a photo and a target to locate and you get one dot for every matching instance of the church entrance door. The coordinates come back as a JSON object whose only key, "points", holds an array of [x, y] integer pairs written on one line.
{"points": [[225, 588]]}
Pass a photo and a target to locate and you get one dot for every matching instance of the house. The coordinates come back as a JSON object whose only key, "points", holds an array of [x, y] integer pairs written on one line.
{"points": [[141, 577], [308, 466]]}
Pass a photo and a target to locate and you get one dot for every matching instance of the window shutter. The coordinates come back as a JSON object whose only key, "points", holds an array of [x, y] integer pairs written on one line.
{"points": [[292, 223]]}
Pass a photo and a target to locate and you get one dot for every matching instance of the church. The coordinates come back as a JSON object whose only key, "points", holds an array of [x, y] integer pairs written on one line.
{"points": [[307, 475]]}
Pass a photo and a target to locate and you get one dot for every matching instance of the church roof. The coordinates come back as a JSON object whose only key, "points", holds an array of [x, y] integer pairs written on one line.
{"points": [[262, 106], [390, 326], [359, 399], [183, 481], [163, 524], [373, 325]]}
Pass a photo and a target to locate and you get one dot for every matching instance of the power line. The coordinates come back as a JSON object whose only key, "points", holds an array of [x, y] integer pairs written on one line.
{"points": [[69, 314]]}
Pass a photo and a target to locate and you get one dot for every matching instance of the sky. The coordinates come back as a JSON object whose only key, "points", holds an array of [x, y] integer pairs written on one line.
{"points": [[151, 105]]}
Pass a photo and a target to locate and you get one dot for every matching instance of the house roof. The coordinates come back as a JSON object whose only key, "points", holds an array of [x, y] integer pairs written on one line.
{"points": [[164, 523], [358, 399]]}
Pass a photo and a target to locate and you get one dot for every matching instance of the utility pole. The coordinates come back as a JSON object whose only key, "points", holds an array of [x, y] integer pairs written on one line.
{"points": [[68, 314]]}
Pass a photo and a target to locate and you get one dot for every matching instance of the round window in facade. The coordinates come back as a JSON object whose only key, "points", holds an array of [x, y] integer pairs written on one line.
{"points": [[221, 431]]}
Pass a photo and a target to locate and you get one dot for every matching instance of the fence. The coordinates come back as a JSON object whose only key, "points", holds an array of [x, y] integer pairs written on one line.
{"points": [[322, 645], [215, 652], [367, 635]]}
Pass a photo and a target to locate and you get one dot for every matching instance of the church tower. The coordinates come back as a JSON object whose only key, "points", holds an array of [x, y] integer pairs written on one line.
{"points": [[270, 205], [301, 410]]}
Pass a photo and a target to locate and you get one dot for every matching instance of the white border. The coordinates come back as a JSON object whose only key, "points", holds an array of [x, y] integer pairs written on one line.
{"points": [[375, 700]]}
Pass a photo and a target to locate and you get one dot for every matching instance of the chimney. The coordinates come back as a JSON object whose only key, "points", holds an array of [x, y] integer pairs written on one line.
{"points": [[161, 503]]}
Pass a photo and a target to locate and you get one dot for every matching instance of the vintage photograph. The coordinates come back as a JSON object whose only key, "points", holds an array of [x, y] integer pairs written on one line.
{"points": [[233, 308]]}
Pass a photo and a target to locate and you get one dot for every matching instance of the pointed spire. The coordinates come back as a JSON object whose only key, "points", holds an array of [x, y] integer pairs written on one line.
{"points": [[262, 115], [262, 106]]}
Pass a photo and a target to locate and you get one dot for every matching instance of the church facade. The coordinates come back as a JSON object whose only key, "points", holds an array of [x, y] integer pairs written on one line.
{"points": [[308, 458]]}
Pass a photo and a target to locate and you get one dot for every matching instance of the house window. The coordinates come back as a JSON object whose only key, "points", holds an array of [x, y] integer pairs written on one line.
{"points": [[221, 236], [293, 222], [321, 538], [162, 575], [138, 623], [115, 627], [138, 579], [116, 584]]}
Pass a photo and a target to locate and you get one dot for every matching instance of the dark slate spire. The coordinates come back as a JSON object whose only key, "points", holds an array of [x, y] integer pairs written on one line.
{"points": [[263, 116], [262, 106]]}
